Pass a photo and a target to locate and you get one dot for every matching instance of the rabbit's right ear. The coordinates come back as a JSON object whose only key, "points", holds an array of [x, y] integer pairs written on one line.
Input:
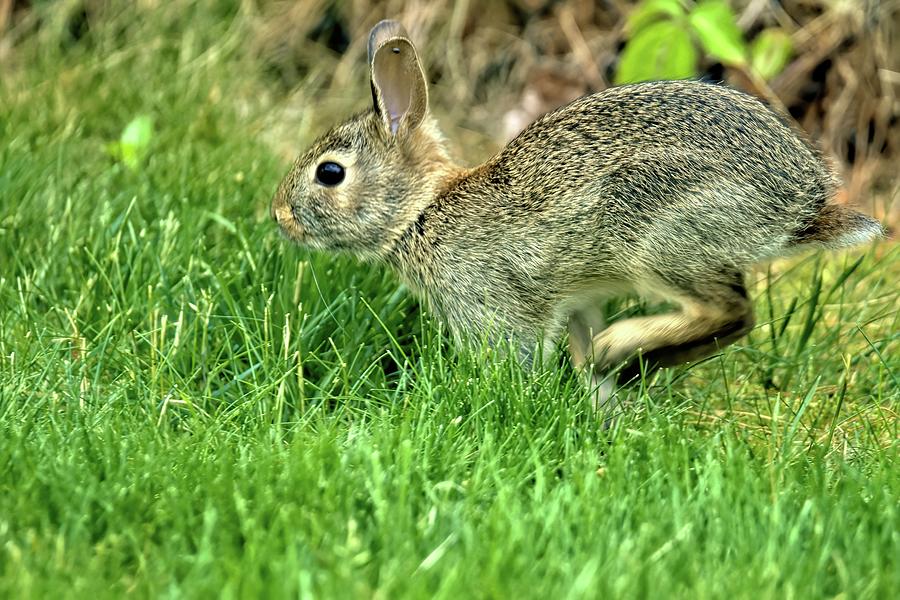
{"points": [[399, 91]]}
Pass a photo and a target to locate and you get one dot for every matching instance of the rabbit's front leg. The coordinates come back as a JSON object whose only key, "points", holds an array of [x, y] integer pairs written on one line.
{"points": [[585, 324]]}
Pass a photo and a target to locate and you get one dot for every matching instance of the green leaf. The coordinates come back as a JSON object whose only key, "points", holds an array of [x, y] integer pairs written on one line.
{"points": [[715, 26], [663, 50], [135, 141], [770, 52], [649, 11]]}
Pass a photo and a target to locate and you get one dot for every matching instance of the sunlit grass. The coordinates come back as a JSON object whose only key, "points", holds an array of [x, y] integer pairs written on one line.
{"points": [[190, 406]]}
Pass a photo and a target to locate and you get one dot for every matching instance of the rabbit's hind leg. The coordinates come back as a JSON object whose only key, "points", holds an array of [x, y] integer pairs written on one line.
{"points": [[712, 316]]}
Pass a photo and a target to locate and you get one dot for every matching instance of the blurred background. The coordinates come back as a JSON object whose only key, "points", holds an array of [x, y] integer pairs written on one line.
{"points": [[833, 66]]}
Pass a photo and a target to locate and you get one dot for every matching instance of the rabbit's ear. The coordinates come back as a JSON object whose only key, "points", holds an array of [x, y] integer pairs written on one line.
{"points": [[399, 92]]}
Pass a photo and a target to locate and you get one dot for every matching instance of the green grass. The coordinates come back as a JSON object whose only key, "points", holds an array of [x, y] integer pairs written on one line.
{"points": [[188, 406]]}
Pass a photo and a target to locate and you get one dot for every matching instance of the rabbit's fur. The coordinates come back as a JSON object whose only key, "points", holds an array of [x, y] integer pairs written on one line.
{"points": [[668, 189]]}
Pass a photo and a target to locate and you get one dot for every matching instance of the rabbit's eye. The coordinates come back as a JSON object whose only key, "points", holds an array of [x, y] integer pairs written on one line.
{"points": [[329, 173]]}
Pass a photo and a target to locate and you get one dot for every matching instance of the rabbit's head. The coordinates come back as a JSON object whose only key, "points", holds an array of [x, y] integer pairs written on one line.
{"points": [[365, 182]]}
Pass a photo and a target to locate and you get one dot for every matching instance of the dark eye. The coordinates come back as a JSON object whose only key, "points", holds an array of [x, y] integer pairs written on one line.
{"points": [[329, 173]]}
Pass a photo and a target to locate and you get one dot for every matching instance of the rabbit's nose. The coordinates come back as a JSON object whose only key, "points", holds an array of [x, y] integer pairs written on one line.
{"points": [[281, 200], [281, 207], [281, 212], [287, 221]]}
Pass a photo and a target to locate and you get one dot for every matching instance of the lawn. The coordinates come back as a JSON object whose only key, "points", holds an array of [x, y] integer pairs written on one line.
{"points": [[191, 407]]}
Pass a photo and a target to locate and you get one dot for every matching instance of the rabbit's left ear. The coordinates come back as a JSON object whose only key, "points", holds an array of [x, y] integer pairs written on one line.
{"points": [[399, 91]]}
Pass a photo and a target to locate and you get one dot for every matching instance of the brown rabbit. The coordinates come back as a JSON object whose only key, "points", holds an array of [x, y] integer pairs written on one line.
{"points": [[670, 189]]}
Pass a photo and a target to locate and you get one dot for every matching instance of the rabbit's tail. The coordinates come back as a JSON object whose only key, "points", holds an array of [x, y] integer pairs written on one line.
{"points": [[839, 227]]}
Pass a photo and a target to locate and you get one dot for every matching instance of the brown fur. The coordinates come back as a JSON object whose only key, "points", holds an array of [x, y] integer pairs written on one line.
{"points": [[667, 189]]}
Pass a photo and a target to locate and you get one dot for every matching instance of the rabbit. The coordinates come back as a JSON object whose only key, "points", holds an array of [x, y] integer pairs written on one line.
{"points": [[670, 189]]}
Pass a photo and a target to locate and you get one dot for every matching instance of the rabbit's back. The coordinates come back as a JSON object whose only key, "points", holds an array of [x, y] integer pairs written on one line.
{"points": [[646, 143], [624, 170]]}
